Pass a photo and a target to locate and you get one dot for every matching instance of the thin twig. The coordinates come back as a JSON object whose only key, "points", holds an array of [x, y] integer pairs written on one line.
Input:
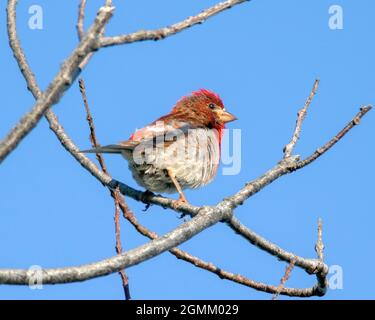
{"points": [[124, 277], [320, 151], [93, 139], [165, 32], [284, 279], [319, 247], [114, 193], [288, 149], [80, 29], [81, 18], [322, 284]]}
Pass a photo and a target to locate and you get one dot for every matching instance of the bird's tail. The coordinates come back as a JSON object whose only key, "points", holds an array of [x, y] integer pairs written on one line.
{"points": [[112, 148]]}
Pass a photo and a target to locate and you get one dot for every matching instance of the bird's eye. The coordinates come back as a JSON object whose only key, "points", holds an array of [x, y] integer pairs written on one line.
{"points": [[211, 106]]}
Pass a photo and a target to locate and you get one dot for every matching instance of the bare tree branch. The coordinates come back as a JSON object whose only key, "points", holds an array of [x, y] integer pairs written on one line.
{"points": [[322, 284], [81, 18], [165, 32], [32, 85], [320, 151], [288, 149], [292, 163], [93, 139], [62, 81], [284, 279], [114, 193], [319, 247], [310, 265], [204, 219], [124, 277], [222, 274]]}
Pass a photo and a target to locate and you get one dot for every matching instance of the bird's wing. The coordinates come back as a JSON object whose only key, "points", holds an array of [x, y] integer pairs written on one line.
{"points": [[161, 127], [159, 132], [164, 131]]}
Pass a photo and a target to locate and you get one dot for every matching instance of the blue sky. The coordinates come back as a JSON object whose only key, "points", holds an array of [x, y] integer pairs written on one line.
{"points": [[262, 57]]}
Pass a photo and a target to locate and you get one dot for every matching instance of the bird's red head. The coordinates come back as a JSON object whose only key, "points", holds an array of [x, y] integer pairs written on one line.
{"points": [[204, 108], [209, 96]]}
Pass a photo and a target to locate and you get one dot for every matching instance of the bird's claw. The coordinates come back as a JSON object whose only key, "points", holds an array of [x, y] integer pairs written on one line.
{"points": [[147, 206], [145, 196], [145, 199], [181, 201]]}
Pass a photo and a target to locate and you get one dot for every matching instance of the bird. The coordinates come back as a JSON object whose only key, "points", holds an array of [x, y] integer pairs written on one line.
{"points": [[180, 150]]}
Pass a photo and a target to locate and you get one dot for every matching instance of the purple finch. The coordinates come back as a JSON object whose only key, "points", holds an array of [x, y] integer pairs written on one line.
{"points": [[179, 150]]}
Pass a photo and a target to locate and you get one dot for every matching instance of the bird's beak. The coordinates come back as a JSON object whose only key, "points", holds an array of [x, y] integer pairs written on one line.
{"points": [[224, 116]]}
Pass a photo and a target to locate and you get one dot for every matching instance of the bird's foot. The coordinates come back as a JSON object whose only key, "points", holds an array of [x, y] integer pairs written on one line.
{"points": [[145, 198], [147, 206], [181, 200]]}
